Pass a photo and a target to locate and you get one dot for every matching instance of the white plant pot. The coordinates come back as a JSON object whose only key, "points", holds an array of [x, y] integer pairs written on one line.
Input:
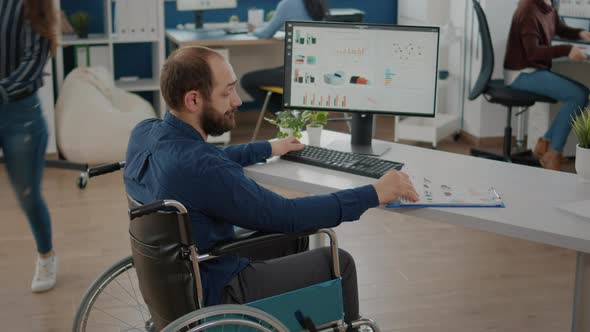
{"points": [[314, 135], [583, 162], [287, 131]]}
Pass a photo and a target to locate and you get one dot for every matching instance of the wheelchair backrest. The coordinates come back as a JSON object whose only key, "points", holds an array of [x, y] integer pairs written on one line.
{"points": [[164, 271]]}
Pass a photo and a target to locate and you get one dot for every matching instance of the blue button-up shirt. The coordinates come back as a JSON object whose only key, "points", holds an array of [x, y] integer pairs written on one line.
{"points": [[169, 159]]}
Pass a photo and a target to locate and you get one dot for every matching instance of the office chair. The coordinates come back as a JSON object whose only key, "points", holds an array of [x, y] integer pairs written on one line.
{"points": [[495, 91]]}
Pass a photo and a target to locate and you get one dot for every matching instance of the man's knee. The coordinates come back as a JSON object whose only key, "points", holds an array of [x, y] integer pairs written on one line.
{"points": [[347, 265], [346, 262]]}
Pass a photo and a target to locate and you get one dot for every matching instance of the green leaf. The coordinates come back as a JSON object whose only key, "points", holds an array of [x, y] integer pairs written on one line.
{"points": [[581, 127]]}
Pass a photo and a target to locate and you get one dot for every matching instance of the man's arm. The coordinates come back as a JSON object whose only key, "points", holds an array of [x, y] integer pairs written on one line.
{"points": [[30, 67], [240, 201], [250, 153]]}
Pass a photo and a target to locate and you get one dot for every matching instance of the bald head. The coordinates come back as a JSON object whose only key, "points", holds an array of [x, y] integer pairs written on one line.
{"points": [[187, 69]]}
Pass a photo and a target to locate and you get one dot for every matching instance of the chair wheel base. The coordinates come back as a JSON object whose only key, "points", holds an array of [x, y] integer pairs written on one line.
{"points": [[522, 157]]}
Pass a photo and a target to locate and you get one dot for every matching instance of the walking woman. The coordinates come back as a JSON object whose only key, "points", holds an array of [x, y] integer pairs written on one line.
{"points": [[27, 37]]}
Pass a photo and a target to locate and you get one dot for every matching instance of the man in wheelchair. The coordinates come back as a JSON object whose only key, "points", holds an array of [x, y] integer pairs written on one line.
{"points": [[170, 159]]}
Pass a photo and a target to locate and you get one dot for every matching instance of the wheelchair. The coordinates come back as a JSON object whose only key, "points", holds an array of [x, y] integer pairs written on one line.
{"points": [[158, 287]]}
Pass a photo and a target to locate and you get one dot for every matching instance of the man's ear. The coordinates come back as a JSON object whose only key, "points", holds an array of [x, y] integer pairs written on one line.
{"points": [[193, 101]]}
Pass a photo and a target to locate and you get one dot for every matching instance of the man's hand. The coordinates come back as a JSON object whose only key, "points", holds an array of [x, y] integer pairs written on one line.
{"points": [[394, 185], [282, 146], [577, 54], [585, 35], [251, 27]]}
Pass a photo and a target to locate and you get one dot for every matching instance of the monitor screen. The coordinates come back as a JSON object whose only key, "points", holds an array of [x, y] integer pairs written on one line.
{"points": [[205, 4], [364, 68]]}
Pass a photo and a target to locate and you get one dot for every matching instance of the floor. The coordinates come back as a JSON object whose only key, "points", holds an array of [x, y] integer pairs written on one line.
{"points": [[414, 275]]}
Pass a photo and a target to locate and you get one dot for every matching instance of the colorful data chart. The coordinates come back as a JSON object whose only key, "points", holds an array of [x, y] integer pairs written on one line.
{"points": [[388, 76]]}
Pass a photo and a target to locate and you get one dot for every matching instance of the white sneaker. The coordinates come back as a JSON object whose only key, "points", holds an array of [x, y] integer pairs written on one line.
{"points": [[45, 274]]}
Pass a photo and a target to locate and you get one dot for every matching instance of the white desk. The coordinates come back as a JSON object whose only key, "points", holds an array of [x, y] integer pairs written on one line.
{"points": [[530, 195]]}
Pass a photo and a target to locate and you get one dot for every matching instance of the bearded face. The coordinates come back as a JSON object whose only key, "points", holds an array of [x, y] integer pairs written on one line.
{"points": [[215, 122]]}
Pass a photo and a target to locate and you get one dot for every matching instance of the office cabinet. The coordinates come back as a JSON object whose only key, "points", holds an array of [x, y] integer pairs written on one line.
{"points": [[122, 27]]}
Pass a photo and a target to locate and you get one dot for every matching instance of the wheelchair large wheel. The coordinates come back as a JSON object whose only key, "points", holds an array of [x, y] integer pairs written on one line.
{"points": [[227, 318], [114, 302]]}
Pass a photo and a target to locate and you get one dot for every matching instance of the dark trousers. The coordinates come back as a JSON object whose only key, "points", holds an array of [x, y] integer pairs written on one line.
{"points": [[266, 77], [23, 139], [294, 272]]}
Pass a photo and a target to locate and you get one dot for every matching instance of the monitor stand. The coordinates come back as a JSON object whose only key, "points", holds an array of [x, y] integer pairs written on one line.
{"points": [[361, 138], [205, 33]]}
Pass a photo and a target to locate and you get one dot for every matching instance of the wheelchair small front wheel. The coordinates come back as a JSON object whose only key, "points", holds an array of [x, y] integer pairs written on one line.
{"points": [[114, 302], [83, 180], [226, 317]]}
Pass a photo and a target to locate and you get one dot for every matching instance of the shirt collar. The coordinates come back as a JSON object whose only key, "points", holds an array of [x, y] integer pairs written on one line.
{"points": [[183, 127]]}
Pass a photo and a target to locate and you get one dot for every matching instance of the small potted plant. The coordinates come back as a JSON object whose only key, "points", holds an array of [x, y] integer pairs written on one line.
{"points": [[290, 123], [80, 21], [315, 123], [581, 126]]}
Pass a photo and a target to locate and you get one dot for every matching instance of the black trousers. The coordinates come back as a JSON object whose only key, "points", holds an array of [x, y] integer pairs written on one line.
{"points": [[266, 278], [266, 77]]}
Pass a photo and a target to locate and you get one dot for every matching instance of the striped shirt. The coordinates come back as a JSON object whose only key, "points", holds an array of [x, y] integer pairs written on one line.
{"points": [[23, 53]]}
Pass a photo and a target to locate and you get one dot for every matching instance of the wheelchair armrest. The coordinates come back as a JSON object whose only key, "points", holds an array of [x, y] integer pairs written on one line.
{"points": [[253, 239]]}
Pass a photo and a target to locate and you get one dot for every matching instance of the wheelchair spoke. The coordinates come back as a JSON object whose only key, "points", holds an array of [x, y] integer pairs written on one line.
{"points": [[135, 294], [140, 308], [128, 325], [117, 305]]}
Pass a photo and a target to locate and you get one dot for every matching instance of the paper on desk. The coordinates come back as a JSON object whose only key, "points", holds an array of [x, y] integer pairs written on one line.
{"points": [[579, 208], [433, 193]]}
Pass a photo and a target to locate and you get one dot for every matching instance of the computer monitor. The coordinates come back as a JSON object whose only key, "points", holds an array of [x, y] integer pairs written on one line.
{"points": [[363, 69], [199, 5]]}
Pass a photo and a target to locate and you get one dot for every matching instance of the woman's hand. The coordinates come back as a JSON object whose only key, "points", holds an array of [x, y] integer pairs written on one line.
{"points": [[585, 35], [577, 54]]}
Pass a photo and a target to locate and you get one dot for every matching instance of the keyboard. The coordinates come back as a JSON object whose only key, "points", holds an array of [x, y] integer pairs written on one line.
{"points": [[348, 162]]}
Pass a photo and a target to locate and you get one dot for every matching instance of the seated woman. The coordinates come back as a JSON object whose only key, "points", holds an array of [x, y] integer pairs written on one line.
{"points": [[528, 67], [302, 10]]}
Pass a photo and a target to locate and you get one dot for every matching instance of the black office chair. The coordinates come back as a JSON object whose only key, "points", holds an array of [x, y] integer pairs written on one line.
{"points": [[496, 92]]}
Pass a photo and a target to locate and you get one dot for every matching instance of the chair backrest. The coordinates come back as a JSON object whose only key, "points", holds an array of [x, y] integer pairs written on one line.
{"points": [[159, 242], [487, 50]]}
